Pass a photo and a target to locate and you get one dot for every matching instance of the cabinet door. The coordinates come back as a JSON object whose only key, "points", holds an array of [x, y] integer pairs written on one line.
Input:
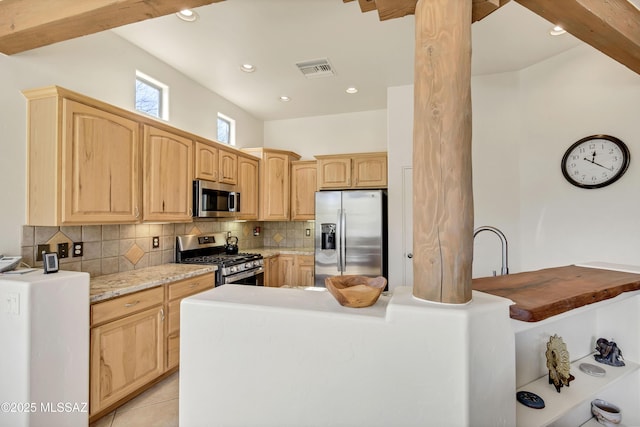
{"points": [[334, 173], [228, 167], [248, 187], [173, 333], [275, 187], [303, 190], [206, 162], [125, 355], [100, 166], [370, 171], [306, 267], [168, 176], [272, 272], [288, 273]]}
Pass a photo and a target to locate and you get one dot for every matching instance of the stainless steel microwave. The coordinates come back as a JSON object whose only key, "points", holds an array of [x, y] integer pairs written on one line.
{"points": [[215, 200]]}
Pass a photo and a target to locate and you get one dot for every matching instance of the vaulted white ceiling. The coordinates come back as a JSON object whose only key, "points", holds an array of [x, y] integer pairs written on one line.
{"points": [[366, 53]]}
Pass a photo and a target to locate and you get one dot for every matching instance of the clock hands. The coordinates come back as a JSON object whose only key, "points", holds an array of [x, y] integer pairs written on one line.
{"points": [[598, 164]]}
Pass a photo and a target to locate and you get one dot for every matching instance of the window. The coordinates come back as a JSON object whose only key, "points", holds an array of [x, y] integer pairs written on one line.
{"points": [[152, 96], [226, 129]]}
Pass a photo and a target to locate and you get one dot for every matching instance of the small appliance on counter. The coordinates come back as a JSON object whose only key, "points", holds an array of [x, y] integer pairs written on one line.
{"points": [[222, 251], [8, 263]]}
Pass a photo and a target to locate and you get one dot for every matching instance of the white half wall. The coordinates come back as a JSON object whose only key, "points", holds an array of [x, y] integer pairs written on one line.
{"points": [[101, 66]]}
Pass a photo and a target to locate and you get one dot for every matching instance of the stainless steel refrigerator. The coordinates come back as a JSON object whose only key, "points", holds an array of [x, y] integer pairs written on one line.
{"points": [[350, 234]]}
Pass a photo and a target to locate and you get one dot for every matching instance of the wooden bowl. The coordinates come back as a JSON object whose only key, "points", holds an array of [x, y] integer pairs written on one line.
{"points": [[355, 291]]}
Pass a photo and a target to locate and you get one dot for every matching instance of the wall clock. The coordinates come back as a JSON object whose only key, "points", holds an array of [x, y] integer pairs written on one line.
{"points": [[595, 161]]}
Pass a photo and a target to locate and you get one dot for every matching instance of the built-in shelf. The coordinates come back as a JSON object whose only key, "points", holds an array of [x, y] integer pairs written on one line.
{"points": [[584, 388]]}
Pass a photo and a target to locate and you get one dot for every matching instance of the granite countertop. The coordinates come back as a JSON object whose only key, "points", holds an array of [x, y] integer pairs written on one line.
{"points": [[269, 252], [117, 284]]}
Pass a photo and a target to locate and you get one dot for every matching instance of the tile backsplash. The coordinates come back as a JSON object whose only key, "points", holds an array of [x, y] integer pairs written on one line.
{"points": [[114, 248]]}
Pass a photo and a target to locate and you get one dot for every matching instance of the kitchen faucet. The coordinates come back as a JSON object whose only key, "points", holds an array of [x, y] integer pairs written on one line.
{"points": [[503, 242]]}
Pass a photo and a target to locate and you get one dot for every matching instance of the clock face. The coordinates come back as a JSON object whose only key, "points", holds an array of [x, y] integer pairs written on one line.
{"points": [[595, 161]]}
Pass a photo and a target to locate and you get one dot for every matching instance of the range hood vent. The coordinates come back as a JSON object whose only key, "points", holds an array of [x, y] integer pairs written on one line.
{"points": [[316, 68]]}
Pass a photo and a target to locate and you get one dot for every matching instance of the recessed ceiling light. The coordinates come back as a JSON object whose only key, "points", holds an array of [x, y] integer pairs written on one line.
{"points": [[285, 98], [187, 15], [351, 90], [557, 30], [248, 68]]}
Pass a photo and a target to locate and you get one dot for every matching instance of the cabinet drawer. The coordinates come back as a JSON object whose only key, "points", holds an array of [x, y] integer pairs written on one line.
{"points": [[191, 286], [125, 305]]}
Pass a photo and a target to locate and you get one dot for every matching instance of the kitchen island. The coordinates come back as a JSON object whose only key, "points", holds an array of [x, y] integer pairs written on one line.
{"points": [[289, 357], [254, 356]]}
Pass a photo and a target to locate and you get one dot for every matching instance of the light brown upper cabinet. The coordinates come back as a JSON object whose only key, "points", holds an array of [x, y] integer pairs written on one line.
{"points": [[248, 185], [213, 163], [345, 171], [82, 161], [274, 198], [228, 167], [303, 189], [168, 176], [206, 161]]}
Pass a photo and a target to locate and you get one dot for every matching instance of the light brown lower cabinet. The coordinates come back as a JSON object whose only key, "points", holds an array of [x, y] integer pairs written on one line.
{"points": [[289, 270], [126, 352], [176, 292], [306, 270], [272, 271], [135, 340]]}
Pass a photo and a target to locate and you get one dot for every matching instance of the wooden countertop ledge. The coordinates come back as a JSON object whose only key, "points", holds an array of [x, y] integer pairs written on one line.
{"points": [[540, 294]]}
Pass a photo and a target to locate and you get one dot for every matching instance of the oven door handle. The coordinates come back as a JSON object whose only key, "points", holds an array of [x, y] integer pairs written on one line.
{"points": [[242, 275]]}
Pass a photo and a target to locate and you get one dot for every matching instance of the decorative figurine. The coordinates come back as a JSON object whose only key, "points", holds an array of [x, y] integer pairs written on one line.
{"points": [[558, 363], [610, 354]]}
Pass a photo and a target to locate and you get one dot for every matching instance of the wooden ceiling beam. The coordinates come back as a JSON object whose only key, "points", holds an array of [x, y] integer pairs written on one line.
{"points": [[482, 8], [390, 9], [612, 26], [26, 25]]}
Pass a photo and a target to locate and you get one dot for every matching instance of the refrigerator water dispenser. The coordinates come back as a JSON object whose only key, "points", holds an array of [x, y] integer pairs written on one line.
{"points": [[328, 236]]}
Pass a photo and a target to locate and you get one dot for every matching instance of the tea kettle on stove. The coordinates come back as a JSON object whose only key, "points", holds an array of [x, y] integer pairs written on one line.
{"points": [[231, 247]]}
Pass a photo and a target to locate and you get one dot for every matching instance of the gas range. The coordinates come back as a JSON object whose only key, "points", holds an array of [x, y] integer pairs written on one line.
{"points": [[240, 268]]}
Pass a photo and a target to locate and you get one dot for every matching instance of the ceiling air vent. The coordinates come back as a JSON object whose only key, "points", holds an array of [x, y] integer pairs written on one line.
{"points": [[316, 68]]}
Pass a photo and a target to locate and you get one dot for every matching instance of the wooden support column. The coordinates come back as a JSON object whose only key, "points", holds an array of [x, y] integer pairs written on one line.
{"points": [[442, 183]]}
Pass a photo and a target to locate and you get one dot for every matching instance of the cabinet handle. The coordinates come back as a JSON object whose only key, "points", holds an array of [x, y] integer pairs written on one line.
{"points": [[162, 314], [190, 212], [193, 285], [136, 212], [131, 304]]}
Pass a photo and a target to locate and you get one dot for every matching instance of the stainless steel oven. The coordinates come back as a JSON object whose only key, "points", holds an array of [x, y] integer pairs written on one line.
{"points": [[239, 268], [215, 200]]}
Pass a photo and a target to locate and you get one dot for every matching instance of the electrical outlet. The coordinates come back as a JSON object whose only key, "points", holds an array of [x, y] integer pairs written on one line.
{"points": [[155, 242], [307, 232], [78, 248], [63, 250], [42, 248]]}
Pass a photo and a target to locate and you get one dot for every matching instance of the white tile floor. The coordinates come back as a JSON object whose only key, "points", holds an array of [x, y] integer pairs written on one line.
{"points": [[157, 407]]}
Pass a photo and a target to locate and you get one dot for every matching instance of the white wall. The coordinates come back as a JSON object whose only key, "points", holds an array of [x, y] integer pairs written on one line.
{"points": [[101, 66], [570, 96], [522, 124], [400, 157], [331, 134]]}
